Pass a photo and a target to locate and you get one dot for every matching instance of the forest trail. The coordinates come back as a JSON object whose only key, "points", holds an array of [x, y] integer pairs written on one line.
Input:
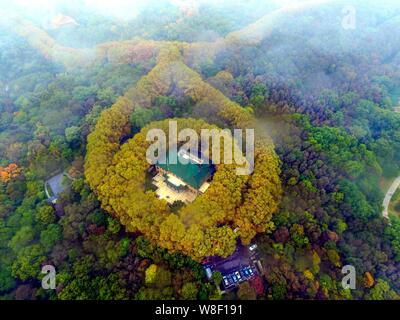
{"points": [[395, 185], [388, 197]]}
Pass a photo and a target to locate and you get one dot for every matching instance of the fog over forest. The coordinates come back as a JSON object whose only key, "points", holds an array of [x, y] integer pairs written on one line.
{"points": [[82, 81]]}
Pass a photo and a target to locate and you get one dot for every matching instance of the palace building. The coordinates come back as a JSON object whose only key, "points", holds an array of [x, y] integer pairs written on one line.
{"points": [[183, 180]]}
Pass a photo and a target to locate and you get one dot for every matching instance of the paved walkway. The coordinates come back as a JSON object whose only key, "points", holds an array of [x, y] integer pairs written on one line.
{"points": [[55, 185], [389, 195]]}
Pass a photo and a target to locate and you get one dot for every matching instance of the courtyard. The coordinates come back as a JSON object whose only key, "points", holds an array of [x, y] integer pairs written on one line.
{"points": [[164, 191]]}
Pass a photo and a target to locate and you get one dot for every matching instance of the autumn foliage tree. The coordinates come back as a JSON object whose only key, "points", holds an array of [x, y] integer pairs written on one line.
{"points": [[204, 227], [9, 172]]}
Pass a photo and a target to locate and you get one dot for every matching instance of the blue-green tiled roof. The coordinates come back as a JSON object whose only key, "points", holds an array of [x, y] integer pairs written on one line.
{"points": [[191, 173]]}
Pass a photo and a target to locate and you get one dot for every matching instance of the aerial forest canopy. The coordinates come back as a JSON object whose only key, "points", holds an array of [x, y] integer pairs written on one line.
{"points": [[318, 81], [201, 229]]}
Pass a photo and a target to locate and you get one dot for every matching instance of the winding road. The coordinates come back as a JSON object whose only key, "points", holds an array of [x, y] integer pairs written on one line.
{"points": [[396, 184], [388, 197]]}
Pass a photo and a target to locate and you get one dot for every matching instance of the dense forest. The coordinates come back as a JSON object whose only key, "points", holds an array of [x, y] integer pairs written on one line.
{"points": [[324, 94]]}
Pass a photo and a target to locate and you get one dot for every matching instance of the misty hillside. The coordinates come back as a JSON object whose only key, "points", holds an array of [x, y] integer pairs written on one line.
{"points": [[81, 84]]}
